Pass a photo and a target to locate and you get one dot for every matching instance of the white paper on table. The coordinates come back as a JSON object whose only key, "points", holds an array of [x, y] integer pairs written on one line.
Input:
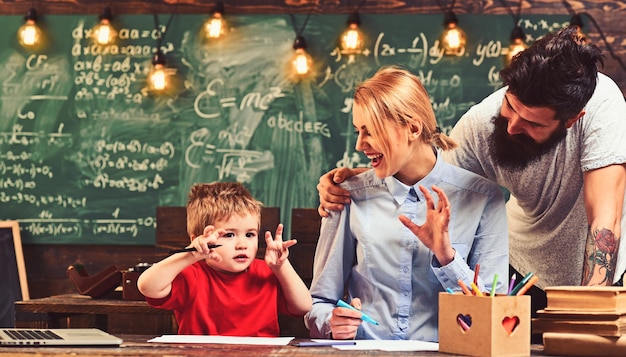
{"points": [[392, 345], [233, 340]]}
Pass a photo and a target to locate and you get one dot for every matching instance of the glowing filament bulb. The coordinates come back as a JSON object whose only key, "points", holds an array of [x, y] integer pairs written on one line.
{"points": [[516, 47], [158, 78], [517, 43], [214, 26], [453, 38], [29, 34], [301, 62], [352, 38], [104, 34]]}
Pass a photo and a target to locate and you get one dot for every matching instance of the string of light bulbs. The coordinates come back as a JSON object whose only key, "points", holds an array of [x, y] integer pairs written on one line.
{"points": [[452, 40]]}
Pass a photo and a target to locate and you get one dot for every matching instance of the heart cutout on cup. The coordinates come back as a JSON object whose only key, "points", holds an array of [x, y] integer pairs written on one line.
{"points": [[510, 323], [464, 322]]}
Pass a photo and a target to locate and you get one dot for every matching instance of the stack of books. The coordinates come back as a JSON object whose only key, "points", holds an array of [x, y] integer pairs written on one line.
{"points": [[583, 321]]}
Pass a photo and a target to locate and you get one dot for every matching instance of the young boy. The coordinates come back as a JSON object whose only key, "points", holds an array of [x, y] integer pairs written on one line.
{"points": [[225, 290]]}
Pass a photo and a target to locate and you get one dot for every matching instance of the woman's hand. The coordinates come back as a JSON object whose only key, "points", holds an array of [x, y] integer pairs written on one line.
{"points": [[434, 232]]}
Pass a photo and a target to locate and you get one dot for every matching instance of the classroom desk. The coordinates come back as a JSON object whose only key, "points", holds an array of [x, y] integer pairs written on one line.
{"points": [[116, 316], [136, 345]]}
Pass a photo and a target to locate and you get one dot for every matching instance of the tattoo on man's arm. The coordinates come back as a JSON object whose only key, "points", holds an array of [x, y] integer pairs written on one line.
{"points": [[600, 257]]}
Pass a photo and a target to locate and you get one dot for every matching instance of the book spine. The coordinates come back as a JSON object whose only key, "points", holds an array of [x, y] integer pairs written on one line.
{"points": [[580, 344]]}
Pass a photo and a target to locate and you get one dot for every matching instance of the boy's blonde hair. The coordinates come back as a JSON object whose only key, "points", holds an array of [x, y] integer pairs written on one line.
{"points": [[395, 94], [211, 202]]}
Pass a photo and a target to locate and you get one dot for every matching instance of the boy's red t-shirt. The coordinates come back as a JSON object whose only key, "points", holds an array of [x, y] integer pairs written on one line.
{"points": [[208, 302]]}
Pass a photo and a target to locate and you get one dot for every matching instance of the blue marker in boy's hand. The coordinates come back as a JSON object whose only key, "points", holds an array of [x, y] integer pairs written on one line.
{"points": [[364, 317]]}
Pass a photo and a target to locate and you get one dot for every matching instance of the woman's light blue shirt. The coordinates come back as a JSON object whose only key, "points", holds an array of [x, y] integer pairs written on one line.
{"points": [[365, 249]]}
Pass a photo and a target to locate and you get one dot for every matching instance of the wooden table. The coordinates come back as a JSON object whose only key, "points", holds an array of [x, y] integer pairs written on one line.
{"points": [[116, 316], [136, 345]]}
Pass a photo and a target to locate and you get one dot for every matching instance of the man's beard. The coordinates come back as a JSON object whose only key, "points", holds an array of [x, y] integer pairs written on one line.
{"points": [[519, 150]]}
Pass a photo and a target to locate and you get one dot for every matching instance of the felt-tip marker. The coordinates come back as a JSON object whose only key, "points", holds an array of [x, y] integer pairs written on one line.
{"points": [[521, 284], [364, 317], [528, 285], [192, 249]]}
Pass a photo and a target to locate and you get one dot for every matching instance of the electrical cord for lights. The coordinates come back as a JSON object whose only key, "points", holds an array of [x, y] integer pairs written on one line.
{"points": [[358, 7], [516, 17], [443, 8], [157, 27], [293, 23], [602, 36]]}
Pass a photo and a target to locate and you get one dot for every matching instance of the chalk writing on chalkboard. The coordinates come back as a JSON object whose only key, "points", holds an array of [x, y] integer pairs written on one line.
{"points": [[87, 153]]}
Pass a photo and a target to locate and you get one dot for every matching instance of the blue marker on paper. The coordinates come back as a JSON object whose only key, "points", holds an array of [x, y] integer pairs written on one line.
{"points": [[364, 317]]}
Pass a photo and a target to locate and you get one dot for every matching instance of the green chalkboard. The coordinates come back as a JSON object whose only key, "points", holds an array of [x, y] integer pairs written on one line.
{"points": [[87, 154]]}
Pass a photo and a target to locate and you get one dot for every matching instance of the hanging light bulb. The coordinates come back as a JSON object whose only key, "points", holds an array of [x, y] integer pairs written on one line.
{"points": [[577, 20], [215, 26], [157, 79], [104, 33], [29, 34], [352, 37], [518, 43], [301, 60], [453, 38]]}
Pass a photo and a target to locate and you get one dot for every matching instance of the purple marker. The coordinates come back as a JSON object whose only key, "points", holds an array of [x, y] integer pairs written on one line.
{"points": [[511, 284]]}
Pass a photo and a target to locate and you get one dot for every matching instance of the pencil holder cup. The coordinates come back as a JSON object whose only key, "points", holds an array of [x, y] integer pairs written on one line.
{"points": [[484, 326]]}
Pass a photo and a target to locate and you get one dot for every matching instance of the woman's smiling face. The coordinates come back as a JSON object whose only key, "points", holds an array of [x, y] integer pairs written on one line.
{"points": [[384, 163]]}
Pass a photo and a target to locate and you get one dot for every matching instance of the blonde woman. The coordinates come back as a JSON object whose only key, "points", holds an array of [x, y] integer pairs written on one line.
{"points": [[396, 246]]}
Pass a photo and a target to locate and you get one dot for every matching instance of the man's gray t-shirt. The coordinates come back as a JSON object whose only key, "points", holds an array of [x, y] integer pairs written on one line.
{"points": [[546, 214]]}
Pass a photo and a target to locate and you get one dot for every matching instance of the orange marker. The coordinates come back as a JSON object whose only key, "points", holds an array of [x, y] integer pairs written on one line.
{"points": [[466, 291], [528, 285]]}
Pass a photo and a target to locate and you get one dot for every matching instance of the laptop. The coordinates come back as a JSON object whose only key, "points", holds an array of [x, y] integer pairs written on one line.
{"points": [[56, 337]]}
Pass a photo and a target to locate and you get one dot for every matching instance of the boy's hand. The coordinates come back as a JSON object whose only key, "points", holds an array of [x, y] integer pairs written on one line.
{"points": [[201, 243], [277, 251]]}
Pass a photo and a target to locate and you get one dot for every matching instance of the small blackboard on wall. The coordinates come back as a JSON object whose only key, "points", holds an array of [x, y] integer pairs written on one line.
{"points": [[13, 284]]}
